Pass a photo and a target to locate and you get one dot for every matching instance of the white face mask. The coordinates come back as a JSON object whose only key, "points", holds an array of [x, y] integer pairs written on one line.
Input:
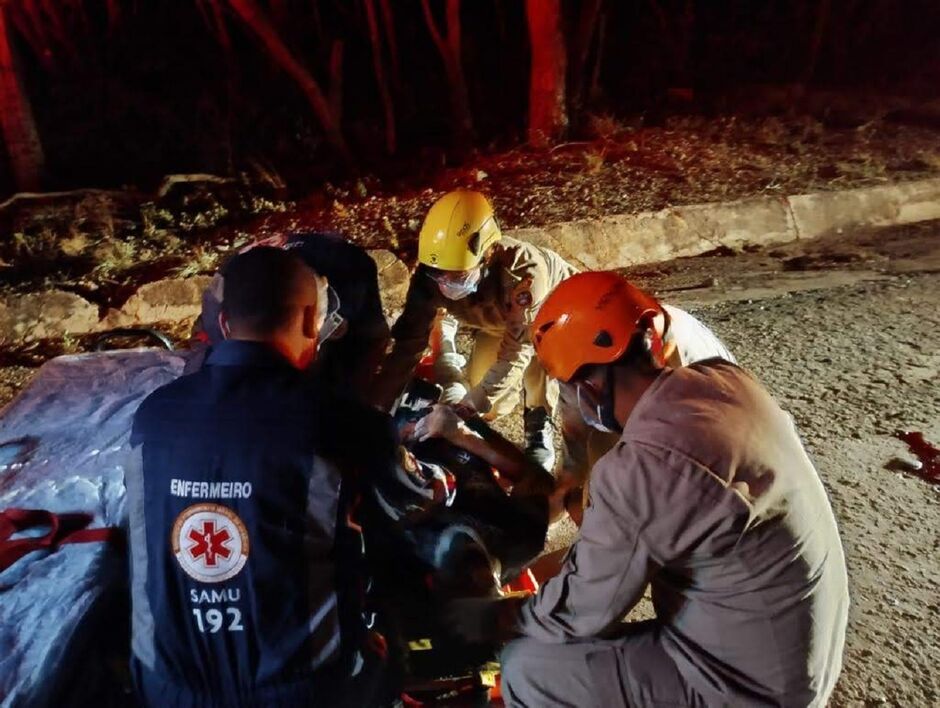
{"points": [[329, 320], [457, 286], [591, 411]]}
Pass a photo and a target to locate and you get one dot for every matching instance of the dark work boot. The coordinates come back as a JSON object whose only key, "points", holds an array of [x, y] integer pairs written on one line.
{"points": [[539, 440]]}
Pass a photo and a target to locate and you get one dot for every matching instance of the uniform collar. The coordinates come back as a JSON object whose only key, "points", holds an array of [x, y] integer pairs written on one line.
{"points": [[236, 352]]}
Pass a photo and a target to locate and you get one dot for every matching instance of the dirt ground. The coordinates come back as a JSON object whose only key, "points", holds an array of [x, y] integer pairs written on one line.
{"points": [[855, 359], [845, 332]]}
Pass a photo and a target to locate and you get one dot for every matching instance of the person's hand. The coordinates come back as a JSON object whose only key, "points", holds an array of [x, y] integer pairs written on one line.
{"points": [[441, 422], [477, 401], [574, 504], [566, 498], [464, 409]]}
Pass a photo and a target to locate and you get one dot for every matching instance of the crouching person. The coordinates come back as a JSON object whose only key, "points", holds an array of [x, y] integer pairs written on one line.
{"points": [[246, 570], [710, 498]]}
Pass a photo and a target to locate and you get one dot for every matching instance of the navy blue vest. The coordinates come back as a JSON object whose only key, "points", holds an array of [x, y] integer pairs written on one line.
{"points": [[246, 579]]}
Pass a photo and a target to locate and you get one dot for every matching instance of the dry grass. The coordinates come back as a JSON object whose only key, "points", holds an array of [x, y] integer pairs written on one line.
{"points": [[75, 244], [932, 160], [604, 126], [113, 256], [626, 168], [202, 260], [594, 161]]}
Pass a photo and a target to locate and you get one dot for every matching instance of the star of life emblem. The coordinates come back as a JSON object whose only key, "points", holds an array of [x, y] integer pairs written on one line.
{"points": [[210, 542]]}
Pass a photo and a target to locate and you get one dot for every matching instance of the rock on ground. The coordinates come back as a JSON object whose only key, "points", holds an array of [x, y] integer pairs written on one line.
{"points": [[42, 315]]}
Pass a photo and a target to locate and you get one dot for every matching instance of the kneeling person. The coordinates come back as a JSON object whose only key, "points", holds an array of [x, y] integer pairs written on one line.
{"points": [[493, 285], [710, 498], [247, 579]]}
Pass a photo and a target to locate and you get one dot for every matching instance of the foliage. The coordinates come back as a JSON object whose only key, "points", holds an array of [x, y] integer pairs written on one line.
{"points": [[125, 91]]}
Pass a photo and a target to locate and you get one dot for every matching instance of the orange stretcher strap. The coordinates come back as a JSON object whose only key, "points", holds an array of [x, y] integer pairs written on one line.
{"points": [[63, 529]]}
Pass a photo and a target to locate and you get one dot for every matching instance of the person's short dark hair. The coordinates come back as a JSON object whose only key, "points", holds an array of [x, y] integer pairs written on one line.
{"points": [[260, 287]]}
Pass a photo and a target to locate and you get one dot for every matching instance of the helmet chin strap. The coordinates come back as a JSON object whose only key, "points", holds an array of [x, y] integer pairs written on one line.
{"points": [[598, 409], [606, 407]]}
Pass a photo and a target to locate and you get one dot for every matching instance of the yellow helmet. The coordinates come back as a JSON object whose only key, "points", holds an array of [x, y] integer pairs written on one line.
{"points": [[458, 230]]}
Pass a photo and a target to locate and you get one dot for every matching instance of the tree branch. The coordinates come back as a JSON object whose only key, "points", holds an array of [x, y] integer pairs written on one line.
{"points": [[336, 79], [252, 16], [453, 28], [389, 21], [376, 41], [433, 28]]}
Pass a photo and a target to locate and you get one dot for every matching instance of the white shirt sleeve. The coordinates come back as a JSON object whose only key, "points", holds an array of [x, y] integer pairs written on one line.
{"points": [[694, 341]]}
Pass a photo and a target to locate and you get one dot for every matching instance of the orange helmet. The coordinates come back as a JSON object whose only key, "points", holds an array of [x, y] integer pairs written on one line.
{"points": [[591, 318]]}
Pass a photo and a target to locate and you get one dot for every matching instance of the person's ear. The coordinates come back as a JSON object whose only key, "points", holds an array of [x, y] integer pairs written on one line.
{"points": [[310, 329], [224, 326], [652, 333]]}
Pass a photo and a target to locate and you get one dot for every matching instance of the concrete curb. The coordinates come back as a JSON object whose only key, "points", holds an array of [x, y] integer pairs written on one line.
{"points": [[44, 315], [393, 277], [632, 239], [612, 242], [167, 300], [889, 205], [629, 239]]}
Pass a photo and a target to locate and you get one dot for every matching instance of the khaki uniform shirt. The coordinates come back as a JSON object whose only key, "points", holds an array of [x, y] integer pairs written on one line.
{"points": [[710, 497], [513, 286]]}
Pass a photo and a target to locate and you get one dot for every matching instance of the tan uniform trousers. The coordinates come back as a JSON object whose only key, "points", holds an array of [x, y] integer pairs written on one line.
{"points": [[457, 375], [538, 391]]}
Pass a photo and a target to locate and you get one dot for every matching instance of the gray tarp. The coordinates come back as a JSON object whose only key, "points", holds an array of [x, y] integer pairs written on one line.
{"points": [[61, 444]]}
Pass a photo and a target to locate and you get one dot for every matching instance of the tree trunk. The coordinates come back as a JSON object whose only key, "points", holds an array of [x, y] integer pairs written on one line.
{"points": [[815, 45], [388, 19], [579, 76], [595, 89], [376, 40], [251, 14], [450, 52], [31, 29], [548, 118], [16, 119], [336, 80]]}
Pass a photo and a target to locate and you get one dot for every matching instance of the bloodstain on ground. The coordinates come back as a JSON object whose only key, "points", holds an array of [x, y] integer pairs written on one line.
{"points": [[927, 455]]}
